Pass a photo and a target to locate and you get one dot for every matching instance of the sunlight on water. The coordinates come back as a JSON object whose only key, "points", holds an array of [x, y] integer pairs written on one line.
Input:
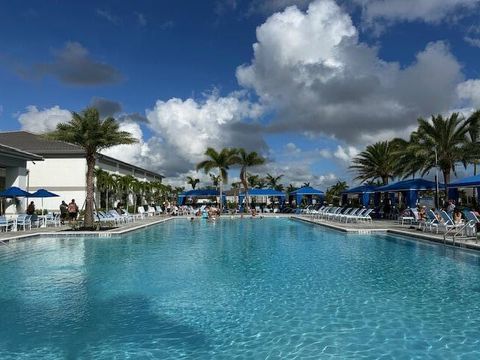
{"points": [[263, 288]]}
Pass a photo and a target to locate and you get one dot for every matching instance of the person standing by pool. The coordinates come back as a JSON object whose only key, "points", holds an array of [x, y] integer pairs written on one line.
{"points": [[31, 208], [63, 212], [72, 210]]}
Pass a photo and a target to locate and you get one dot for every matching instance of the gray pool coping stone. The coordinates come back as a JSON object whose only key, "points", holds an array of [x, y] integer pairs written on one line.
{"points": [[436, 238]]}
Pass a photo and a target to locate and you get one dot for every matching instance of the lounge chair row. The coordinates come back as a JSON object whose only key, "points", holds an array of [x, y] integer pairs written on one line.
{"points": [[440, 221], [340, 214], [24, 222]]}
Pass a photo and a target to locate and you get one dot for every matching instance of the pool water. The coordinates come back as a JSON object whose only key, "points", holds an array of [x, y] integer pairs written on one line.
{"points": [[246, 289]]}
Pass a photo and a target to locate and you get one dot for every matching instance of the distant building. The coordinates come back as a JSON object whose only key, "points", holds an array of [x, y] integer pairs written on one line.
{"points": [[59, 167], [13, 172]]}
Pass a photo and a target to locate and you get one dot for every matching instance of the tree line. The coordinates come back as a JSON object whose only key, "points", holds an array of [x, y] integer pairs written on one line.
{"points": [[443, 143]]}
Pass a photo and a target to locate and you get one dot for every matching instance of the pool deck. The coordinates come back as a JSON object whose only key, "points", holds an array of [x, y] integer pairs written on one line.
{"points": [[392, 227], [65, 230]]}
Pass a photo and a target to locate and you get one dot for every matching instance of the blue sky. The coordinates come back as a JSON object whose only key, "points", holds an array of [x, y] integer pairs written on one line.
{"points": [[325, 79]]}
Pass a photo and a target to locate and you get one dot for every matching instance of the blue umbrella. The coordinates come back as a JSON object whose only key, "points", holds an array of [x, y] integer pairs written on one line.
{"points": [[42, 193], [12, 192]]}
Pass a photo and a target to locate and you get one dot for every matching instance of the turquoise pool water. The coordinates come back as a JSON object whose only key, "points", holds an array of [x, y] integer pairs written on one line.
{"points": [[247, 289]]}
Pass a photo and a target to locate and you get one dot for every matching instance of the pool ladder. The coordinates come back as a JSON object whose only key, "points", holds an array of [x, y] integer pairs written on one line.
{"points": [[457, 231]]}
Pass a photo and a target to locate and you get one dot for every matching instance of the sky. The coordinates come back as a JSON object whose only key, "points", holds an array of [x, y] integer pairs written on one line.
{"points": [[307, 84]]}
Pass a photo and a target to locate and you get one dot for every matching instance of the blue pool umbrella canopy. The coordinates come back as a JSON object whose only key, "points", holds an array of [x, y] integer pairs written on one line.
{"points": [[262, 192], [470, 181], [306, 191], [198, 193], [42, 193], [407, 185], [364, 190], [361, 189], [410, 188], [14, 191]]}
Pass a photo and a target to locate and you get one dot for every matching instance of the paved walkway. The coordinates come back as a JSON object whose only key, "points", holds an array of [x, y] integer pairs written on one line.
{"points": [[393, 227], [66, 229]]}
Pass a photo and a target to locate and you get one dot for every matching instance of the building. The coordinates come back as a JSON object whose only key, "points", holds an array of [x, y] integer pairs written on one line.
{"points": [[61, 167], [13, 172]]}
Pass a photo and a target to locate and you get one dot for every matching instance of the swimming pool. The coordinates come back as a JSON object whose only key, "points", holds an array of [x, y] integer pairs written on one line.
{"points": [[252, 288]]}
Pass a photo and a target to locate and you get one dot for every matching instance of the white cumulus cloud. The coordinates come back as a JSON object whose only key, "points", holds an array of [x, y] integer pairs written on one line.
{"points": [[430, 11], [470, 91], [40, 121], [313, 70]]}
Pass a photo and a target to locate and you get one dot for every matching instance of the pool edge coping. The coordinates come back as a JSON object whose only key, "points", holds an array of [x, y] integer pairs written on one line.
{"points": [[415, 236], [97, 234]]}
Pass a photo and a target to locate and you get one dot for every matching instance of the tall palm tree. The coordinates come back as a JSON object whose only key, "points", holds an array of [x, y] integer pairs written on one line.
{"points": [[221, 161], [93, 134], [192, 182], [273, 181], [473, 138], [377, 161], [442, 142], [247, 160], [306, 184]]}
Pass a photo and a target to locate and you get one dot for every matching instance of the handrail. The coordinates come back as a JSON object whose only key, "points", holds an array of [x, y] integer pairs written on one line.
{"points": [[458, 231]]}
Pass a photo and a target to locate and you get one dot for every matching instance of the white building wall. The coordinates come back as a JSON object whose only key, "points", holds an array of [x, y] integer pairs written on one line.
{"points": [[65, 177]]}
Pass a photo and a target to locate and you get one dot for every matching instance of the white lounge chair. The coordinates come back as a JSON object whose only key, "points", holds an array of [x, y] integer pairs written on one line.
{"points": [[24, 221]]}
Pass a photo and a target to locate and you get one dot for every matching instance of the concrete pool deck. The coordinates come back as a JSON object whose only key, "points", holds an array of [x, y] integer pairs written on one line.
{"points": [[392, 227], [64, 230]]}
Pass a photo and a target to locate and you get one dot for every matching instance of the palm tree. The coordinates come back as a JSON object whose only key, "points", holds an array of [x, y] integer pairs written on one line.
{"points": [[236, 190], [335, 192], [473, 138], [273, 181], [442, 142], [124, 185], [306, 184], [261, 183], [93, 135], [291, 188], [105, 183], [221, 161], [253, 180], [215, 180], [407, 163], [377, 161], [192, 182], [246, 160]]}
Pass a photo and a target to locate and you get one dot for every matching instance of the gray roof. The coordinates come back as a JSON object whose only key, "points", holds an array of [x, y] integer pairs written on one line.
{"points": [[37, 144], [17, 153]]}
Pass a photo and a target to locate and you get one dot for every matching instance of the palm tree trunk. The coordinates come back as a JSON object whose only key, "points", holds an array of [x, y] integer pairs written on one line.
{"points": [[446, 179], [106, 199], [88, 218], [474, 197], [221, 193]]}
